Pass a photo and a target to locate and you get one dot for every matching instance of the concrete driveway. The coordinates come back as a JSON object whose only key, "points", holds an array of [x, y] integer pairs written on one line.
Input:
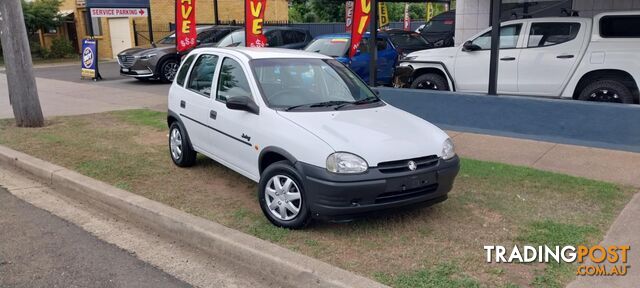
{"points": [[62, 92]]}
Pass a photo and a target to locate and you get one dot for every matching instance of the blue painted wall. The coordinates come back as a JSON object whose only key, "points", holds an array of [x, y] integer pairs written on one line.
{"points": [[611, 126]]}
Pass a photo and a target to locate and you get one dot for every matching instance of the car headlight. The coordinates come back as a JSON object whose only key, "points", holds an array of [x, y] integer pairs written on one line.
{"points": [[145, 57], [448, 150], [346, 163], [408, 58]]}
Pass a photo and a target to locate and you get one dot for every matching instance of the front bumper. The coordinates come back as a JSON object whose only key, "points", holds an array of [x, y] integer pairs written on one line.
{"points": [[343, 197], [138, 68], [402, 77]]}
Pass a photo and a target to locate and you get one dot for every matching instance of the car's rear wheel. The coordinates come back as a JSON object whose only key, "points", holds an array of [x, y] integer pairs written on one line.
{"points": [[430, 81], [168, 70], [606, 91], [179, 146], [282, 196]]}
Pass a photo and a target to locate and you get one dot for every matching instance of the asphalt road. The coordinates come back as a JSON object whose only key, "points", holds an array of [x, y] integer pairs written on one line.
{"points": [[38, 249]]}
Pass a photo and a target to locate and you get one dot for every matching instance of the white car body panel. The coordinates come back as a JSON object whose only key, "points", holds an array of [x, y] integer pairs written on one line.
{"points": [[376, 134], [537, 70]]}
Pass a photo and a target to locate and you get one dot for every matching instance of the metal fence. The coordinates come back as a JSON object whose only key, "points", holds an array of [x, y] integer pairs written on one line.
{"points": [[316, 29], [141, 32]]}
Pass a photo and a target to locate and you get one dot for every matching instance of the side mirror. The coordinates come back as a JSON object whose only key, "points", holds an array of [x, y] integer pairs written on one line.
{"points": [[470, 47], [243, 103]]}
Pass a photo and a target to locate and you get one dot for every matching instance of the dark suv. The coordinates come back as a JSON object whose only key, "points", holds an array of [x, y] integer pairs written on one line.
{"points": [[277, 36], [161, 60], [440, 30]]}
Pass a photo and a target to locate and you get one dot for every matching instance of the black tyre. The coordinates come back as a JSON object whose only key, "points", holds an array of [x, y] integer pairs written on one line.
{"points": [[430, 81], [168, 70], [282, 196], [179, 146], [606, 91]]}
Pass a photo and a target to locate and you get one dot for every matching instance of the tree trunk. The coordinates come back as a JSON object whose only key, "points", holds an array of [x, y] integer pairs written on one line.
{"points": [[23, 93]]}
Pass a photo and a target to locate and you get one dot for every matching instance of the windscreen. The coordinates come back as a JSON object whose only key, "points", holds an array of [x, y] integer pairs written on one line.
{"points": [[334, 47]]}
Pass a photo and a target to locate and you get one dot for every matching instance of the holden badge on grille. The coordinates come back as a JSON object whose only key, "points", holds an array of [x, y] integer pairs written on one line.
{"points": [[412, 165]]}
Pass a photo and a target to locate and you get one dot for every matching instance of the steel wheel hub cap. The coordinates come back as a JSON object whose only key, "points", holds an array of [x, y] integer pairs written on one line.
{"points": [[175, 140], [283, 197]]}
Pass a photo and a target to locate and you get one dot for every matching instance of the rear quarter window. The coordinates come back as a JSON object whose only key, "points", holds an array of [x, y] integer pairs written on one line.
{"points": [[620, 26], [182, 74]]}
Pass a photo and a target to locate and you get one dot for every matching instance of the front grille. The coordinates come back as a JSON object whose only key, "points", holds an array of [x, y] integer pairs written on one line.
{"points": [[403, 165], [126, 61], [405, 194]]}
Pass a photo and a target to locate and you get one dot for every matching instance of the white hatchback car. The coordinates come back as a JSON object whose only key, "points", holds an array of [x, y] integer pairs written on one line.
{"points": [[316, 138]]}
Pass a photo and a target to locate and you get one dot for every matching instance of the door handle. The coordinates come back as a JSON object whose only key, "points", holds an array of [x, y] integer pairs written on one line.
{"points": [[508, 58], [213, 114], [183, 104], [565, 56]]}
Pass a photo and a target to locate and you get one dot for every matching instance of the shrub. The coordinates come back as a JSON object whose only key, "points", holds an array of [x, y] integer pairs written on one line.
{"points": [[61, 47]]}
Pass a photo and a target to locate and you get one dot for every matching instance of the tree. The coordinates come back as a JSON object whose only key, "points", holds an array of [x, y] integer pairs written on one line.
{"points": [[23, 93], [41, 15]]}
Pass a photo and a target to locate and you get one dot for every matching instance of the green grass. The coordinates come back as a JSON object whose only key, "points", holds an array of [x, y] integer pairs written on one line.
{"points": [[144, 117], [551, 233], [439, 246], [441, 276]]}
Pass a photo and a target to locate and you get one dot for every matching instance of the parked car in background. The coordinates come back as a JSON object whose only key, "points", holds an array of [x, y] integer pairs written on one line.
{"points": [[440, 30], [160, 60], [406, 42], [337, 46], [277, 36], [316, 139], [580, 58]]}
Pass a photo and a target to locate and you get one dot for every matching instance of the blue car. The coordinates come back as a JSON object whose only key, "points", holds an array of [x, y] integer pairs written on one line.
{"points": [[337, 45]]}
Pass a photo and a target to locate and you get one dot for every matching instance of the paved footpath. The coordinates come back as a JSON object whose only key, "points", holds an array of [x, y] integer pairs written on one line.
{"points": [[42, 250]]}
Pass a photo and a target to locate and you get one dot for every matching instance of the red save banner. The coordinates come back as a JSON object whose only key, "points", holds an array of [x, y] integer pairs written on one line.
{"points": [[186, 25], [254, 22], [360, 20], [406, 25]]}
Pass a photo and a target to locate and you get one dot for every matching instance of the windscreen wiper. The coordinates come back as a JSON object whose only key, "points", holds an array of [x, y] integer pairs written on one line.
{"points": [[320, 104], [360, 102]]}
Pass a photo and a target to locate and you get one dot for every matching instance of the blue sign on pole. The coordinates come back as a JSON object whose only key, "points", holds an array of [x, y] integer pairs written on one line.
{"points": [[90, 59]]}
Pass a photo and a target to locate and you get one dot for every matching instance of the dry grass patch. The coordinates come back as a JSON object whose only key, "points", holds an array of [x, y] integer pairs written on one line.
{"points": [[439, 246]]}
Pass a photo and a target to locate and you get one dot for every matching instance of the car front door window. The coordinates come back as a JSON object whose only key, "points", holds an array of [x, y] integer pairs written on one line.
{"points": [[232, 81], [509, 36]]}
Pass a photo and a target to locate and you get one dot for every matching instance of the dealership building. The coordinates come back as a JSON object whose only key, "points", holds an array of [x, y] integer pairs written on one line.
{"points": [[118, 32], [473, 16]]}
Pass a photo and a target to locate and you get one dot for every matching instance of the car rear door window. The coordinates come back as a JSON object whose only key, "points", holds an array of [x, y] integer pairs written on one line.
{"points": [[273, 38], [620, 26], [548, 34], [509, 36], [292, 37], [232, 81], [202, 74], [184, 69]]}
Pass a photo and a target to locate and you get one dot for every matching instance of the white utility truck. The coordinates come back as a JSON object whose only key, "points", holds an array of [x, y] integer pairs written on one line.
{"points": [[570, 57]]}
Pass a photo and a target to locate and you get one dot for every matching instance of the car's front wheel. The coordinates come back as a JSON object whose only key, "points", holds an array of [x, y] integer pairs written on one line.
{"points": [[430, 81], [179, 147], [607, 91], [282, 196], [168, 70]]}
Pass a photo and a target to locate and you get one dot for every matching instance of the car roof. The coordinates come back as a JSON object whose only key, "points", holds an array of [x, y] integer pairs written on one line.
{"points": [[269, 28], [249, 53], [382, 34]]}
